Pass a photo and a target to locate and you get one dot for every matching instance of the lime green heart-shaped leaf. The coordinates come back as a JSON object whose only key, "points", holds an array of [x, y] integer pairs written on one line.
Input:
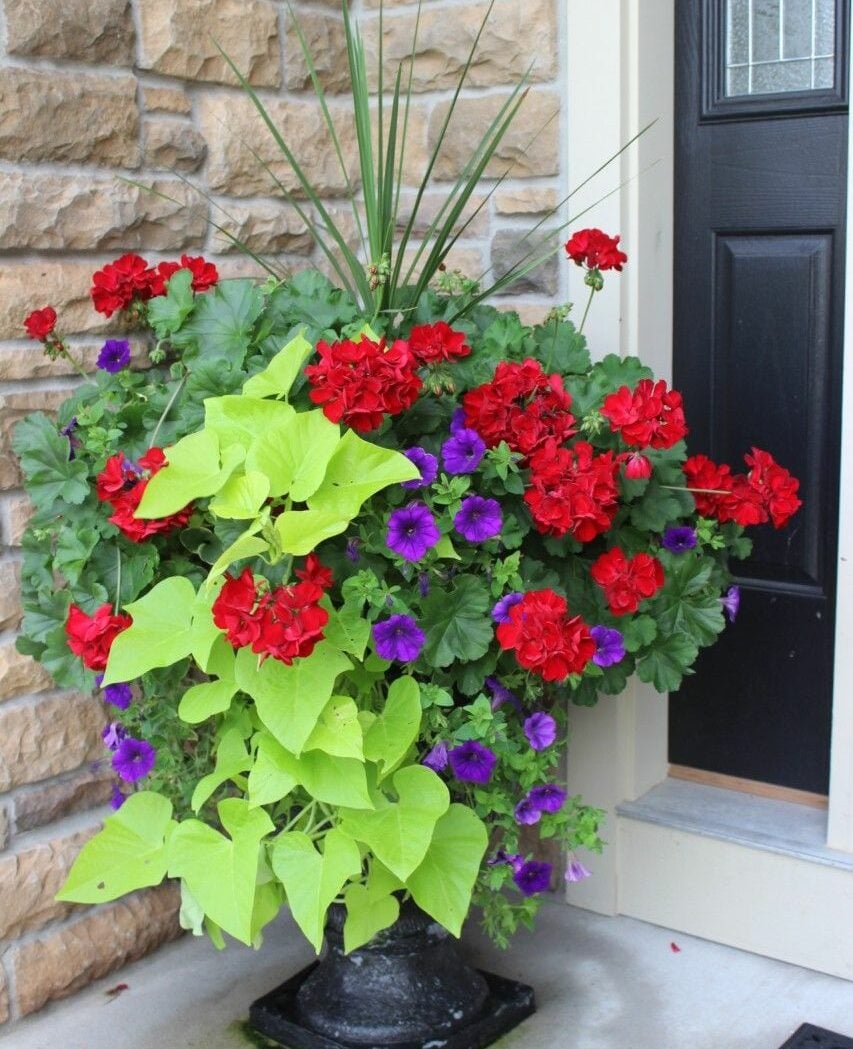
{"points": [[338, 732], [356, 471], [240, 498], [294, 454], [367, 914], [280, 374], [396, 727], [241, 420], [193, 470], [300, 531]]}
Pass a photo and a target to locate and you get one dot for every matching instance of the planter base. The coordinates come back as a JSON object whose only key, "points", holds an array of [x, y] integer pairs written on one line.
{"points": [[275, 1017]]}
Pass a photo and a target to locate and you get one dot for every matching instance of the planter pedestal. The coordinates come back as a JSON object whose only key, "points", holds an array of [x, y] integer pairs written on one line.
{"points": [[407, 989]]}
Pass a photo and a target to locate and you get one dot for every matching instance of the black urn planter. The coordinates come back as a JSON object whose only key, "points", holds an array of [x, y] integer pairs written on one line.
{"points": [[408, 989]]}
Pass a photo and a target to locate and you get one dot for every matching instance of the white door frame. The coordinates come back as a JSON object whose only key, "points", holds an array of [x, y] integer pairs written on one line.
{"points": [[620, 62]]}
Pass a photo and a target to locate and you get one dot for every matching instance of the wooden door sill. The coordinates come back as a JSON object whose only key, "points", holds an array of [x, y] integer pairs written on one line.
{"points": [[749, 786]]}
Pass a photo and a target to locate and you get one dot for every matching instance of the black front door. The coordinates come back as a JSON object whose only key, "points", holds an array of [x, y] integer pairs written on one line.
{"points": [[760, 189]]}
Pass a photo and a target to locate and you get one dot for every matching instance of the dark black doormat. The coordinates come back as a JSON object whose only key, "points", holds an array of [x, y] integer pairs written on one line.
{"points": [[508, 1004], [810, 1037]]}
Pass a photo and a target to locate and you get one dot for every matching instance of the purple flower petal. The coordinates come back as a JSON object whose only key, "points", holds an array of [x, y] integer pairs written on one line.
{"points": [[731, 602], [412, 531], [501, 694], [113, 734], [532, 877], [399, 638], [500, 613], [541, 730], [114, 355], [117, 799], [547, 798], [610, 646], [437, 758], [426, 463], [120, 696], [478, 519], [134, 759], [457, 420], [463, 452], [352, 551], [472, 762], [527, 813], [679, 539]]}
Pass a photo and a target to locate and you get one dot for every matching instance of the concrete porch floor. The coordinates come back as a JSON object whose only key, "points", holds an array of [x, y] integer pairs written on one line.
{"points": [[601, 983]]}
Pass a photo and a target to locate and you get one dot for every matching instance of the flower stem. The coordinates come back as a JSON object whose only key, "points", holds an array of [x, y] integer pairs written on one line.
{"points": [[75, 364], [704, 491], [118, 580], [586, 311], [167, 409]]}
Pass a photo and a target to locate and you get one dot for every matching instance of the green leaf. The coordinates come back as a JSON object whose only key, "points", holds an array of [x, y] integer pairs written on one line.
{"points": [[160, 635], [443, 883], [246, 545], [240, 419], [655, 509], [638, 631], [457, 624], [338, 732], [222, 872], [201, 702], [193, 471], [294, 454], [368, 912], [222, 323], [300, 531], [129, 853], [232, 759], [279, 375], [272, 777], [166, 313], [50, 475], [209, 647], [241, 497], [313, 879], [333, 780], [396, 727], [290, 699], [399, 832], [356, 471], [347, 629], [138, 566], [667, 661], [73, 550]]}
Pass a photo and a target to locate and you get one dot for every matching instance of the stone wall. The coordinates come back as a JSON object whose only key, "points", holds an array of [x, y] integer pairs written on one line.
{"points": [[97, 92]]}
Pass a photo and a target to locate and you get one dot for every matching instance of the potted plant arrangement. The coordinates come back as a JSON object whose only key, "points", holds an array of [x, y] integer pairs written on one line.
{"points": [[338, 561]]}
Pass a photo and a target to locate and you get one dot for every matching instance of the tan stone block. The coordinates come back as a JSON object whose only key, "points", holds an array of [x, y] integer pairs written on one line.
{"points": [[19, 510], [326, 40], [467, 260], [62, 961], [529, 148], [370, 4], [72, 213], [509, 247], [44, 803], [20, 674], [31, 877], [417, 153], [516, 37], [179, 38], [56, 734], [232, 125], [238, 265], [530, 200], [173, 144], [531, 313], [86, 30], [13, 407], [68, 117], [266, 227], [477, 210], [19, 363], [10, 594], [166, 100]]}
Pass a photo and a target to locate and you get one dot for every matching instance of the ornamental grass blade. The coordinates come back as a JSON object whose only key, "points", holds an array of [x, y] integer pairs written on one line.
{"points": [[363, 130]]}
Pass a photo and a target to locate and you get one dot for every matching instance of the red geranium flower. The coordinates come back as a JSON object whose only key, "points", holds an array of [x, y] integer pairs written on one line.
{"points": [[637, 466], [702, 473], [205, 274], [522, 406], [767, 492], [545, 637], [596, 250], [648, 416], [627, 582], [432, 343], [361, 382], [315, 572], [573, 491], [775, 485], [122, 484], [90, 637], [40, 323], [237, 609], [119, 475], [292, 622], [116, 285]]}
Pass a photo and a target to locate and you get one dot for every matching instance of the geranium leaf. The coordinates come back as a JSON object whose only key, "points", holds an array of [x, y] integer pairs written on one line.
{"points": [[668, 660], [457, 624], [222, 322], [356, 471], [279, 375], [396, 727], [166, 313], [50, 474]]}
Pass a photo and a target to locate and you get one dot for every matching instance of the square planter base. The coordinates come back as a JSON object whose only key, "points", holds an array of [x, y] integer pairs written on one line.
{"points": [[508, 1004], [810, 1037]]}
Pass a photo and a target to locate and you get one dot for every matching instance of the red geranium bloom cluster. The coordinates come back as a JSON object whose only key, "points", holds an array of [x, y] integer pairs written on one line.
{"points": [[546, 639], [573, 491], [285, 623], [361, 382], [647, 416], [40, 323], [433, 343], [522, 406], [122, 484], [627, 582], [90, 637], [596, 250], [767, 492], [130, 278]]}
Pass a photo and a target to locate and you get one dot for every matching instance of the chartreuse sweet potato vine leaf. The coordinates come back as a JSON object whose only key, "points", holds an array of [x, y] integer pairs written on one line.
{"points": [[195, 469], [299, 531], [356, 471], [280, 374], [242, 496], [271, 778], [128, 854], [313, 879], [221, 872], [338, 732], [370, 907], [232, 759], [238, 419], [294, 453], [396, 728], [327, 778]]}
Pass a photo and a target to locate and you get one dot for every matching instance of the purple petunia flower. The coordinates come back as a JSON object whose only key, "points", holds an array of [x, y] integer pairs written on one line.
{"points": [[463, 452], [117, 799], [134, 759], [457, 421], [472, 762], [532, 877], [412, 531], [113, 734], [527, 813], [399, 638], [576, 871], [423, 583], [120, 696], [501, 694], [610, 646], [513, 859], [437, 757], [731, 602], [500, 613], [679, 539], [548, 797], [352, 551], [541, 730], [478, 519], [114, 355], [73, 442], [426, 463]]}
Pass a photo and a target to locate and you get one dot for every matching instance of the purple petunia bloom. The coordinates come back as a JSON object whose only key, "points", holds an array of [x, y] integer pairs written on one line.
{"points": [[731, 602], [352, 551], [500, 613], [120, 696], [541, 730], [532, 877], [399, 638], [527, 813], [114, 355], [478, 519], [472, 762], [426, 463], [423, 583], [679, 539], [463, 452], [134, 759], [113, 734], [576, 871], [437, 757], [501, 694], [457, 420], [610, 646], [548, 797], [117, 799], [512, 858], [412, 531]]}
